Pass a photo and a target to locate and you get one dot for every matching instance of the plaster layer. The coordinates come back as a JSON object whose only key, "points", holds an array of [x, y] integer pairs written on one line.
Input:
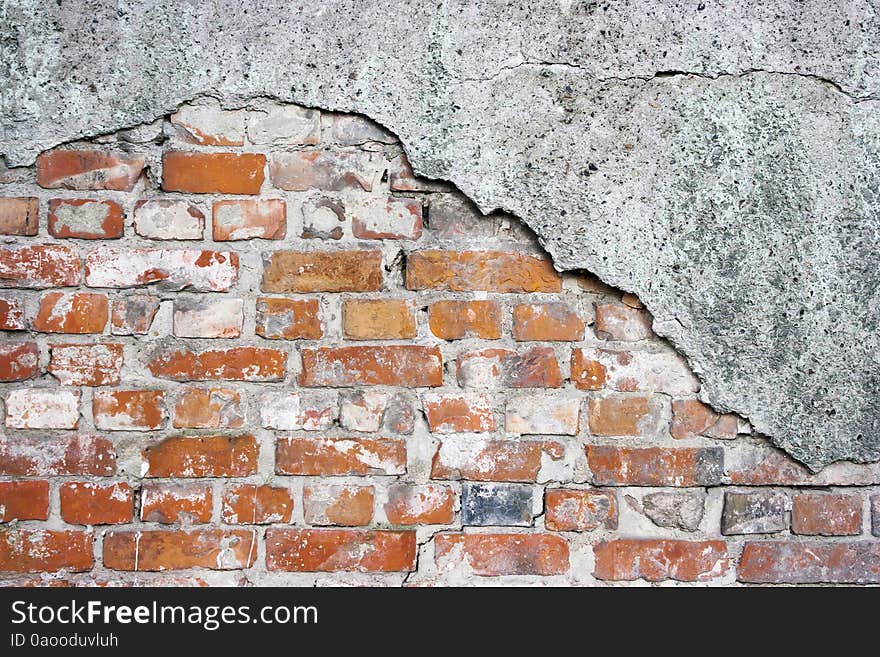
{"points": [[719, 159]]}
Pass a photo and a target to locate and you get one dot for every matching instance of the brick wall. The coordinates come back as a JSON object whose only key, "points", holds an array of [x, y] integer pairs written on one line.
{"points": [[251, 347]]}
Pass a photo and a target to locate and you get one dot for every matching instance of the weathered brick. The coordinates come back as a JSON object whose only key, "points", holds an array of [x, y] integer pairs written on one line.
{"points": [[87, 503], [40, 456], [453, 413], [331, 171], [340, 456], [133, 315], [72, 312], [660, 559], [492, 555], [378, 319], [232, 364], [208, 408], [323, 218], [427, 504], [322, 271], [354, 130], [454, 217], [760, 512], [289, 319], [176, 503], [244, 220], [412, 366], [42, 408], [339, 505], [24, 500], [44, 550], [493, 460], [493, 271], [249, 504], [586, 372], [209, 317], [826, 514], [546, 322], [542, 415], [401, 178], [86, 364], [362, 410], [632, 371], [503, 368], [12, 313], [166, 219], [613, 465], [40, 266], [456, 320], [622, 323], [691, 418], [19, 361], [88, 169], [570, 510], [494, 504], [682, 510], [289, 411], [285, 125], [332, 550], [202, 456], [86, 219], [128, 410], [19, 216], [201, 271], [875, 515], [781, 562], [387, 219], [620, 416], [213, 173], [216, 549], [209, 125]]}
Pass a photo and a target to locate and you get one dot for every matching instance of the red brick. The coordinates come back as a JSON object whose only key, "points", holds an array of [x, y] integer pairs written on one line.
{"points": [[619, 416], [826, 514], [176, 503], [72, 312], [692, 418], [86, 364], [569, 510], [200, 271], [249, 504], [618, 322], [133, 315], [202, 456], [633, 371], [208, 408], [233, 364], [660, 559], [545, 322], [289, 319], [244, 220], [168, 219], [86, 503], [456, 320], [780, 562], [86, 219], [322, 271], [128, 410], [40, 266], [331, 171], [655, 466], [494, 460], [387, 219], [411, 366], [492, 555], [19, 216], [208, 317], [450, 413], [493, 271], [42, 408], [48, 457], [12, 313], [503, 368], [87, 170], [24, 500], [43, 550], [213, 173], [378, 319], [427, 504], [586, 372], [340, 456], [333, 550], [19, 361], [340, 505], [216, 549]]}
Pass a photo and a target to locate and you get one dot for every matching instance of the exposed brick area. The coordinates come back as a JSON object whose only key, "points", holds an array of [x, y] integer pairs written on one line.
{"points": [[261, 350]]}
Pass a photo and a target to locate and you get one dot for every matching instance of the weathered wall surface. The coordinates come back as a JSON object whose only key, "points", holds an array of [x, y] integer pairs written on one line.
{"points": [[719, 159]]}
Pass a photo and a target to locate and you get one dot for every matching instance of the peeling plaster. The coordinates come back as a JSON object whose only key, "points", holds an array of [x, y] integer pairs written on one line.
{"points": [[718, 159]]}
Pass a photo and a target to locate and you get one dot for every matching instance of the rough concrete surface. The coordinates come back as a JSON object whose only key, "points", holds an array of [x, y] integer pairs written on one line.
{"points": [[719, 159]]}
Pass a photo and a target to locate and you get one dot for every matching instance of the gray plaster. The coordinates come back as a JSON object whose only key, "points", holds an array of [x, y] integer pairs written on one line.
{"points": [[719, 159]]}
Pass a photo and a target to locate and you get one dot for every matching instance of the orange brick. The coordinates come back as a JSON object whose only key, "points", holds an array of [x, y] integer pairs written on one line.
{"points": [[24, 500], [332, 550], [213, 173], [289, 319], [44, 550], [504, 368], [410, 366], [455, 320], [19, 361], [202, 456], [691, 418], [660, 559], [233, 364], [173, 503], [492, 555], [427, 504], [128, 410], [86, 219], [86, 170], [340, 456], [19, 216], [655, 466], [72, 312], [12, 313], [447, 413], [177, 550], [208, 408], [494, 460], [546, 322], [40, 266], [493, 271], [86, 503], [244, 220], [322, 271], [343, 506], [587, 373], [249, 504], [378, 319], [618, 416]]}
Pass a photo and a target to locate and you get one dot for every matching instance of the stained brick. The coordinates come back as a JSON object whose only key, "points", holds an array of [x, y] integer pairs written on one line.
{"points": [[633, 371], [340, 456], [503, 368], [86, 364], [826, 514], [378, 319], [88, 169], [411, 366], [655, 466], [232, 364], [165, 219], [19, 361], [322, 271], [176, 503], [249, 504], [622, 323], [782, 562], [660, 559], [494, 504], [493, 271], [201, 271], [87, 503], [493, 460], [128, 410], [332, 171], [202, 456], [47, 457], [452, 413], [72, 312], [133, 315], [12, 313], [86, 219], [244, 220], [391, 219], [42, 408], [332, 550], [428, 504], [208, 408], [456, 320], [339, 505], [45, 550], [759, 512], [24, 500], [289, 319], [40, 266], [547, 322], [176, 550], [542, 415], [691, 418], [19, 216], [208, 317], [570, 510], [491, 555]]}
